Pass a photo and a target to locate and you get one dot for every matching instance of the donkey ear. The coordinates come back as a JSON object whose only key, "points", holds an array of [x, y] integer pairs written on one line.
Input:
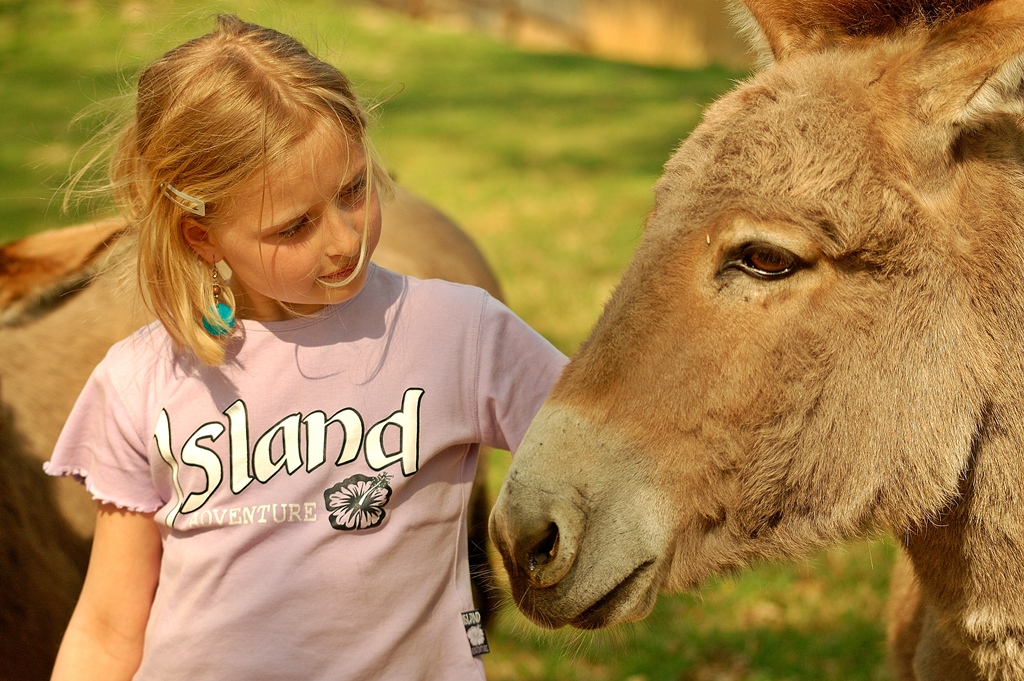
{"points": [[972, 69], [788, 28], [1001, 93], [775, 29], [792, 27]]}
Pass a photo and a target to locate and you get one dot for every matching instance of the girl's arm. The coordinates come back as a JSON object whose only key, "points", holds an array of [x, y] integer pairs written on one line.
{"points": [[104, 638]]}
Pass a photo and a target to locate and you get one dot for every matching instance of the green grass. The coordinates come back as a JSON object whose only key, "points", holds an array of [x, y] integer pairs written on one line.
{"points": [[548, 161]]}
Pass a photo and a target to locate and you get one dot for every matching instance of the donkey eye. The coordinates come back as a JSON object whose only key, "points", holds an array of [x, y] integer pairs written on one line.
{"points": [[766, 261]]}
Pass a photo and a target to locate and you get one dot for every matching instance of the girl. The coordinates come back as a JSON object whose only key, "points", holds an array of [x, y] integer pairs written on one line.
{"points": [[282, 462]]}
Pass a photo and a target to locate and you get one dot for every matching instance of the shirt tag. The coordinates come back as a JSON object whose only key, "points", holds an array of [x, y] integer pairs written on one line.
{"points": [[475, 632]]}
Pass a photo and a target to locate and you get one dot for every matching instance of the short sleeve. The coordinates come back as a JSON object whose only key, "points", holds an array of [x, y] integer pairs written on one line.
{"points": [[517, 369], [100, 445]]}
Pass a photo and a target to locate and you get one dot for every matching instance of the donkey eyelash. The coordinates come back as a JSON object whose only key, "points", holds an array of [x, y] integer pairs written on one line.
{"points": [[764, 261]]}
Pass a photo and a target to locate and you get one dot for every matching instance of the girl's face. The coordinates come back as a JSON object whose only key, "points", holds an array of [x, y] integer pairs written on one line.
{"points": [[286, 236]]}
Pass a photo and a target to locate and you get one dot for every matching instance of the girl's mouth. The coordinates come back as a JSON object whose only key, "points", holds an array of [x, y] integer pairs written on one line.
{"points": [[339, 275]]}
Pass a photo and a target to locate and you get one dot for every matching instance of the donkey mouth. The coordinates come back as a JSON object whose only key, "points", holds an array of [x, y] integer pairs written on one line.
{"points": [[609, 608]]}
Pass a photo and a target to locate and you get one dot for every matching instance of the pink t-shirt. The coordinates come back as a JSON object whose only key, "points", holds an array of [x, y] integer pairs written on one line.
{"points": [[312, 491]]}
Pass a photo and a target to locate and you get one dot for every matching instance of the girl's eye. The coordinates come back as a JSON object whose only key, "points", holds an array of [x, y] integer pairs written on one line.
{"points": [[766, 261], [353, 193], [293, 229]]}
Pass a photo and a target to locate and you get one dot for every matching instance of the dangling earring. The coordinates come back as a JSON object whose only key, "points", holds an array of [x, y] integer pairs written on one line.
{"points": [[221, 310]]}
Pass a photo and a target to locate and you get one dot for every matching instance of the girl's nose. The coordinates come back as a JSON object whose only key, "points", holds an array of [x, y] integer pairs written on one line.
{"points": [[343, 232]]}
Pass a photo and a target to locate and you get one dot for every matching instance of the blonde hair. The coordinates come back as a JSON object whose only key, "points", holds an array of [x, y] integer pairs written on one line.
{"points": [[210, 114]]}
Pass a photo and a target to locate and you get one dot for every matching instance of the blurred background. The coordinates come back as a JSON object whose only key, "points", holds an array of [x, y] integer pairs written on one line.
{"points": [[690, 34], [541, 127]]}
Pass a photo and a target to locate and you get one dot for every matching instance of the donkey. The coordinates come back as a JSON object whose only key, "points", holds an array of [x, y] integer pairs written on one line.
{"points": [[820, 335], [61, 308]]}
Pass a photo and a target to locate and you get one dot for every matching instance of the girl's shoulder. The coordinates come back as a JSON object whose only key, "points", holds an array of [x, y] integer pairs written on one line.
{"points": [[423, 304], [149, 344], [147, 353], [430, 291]]}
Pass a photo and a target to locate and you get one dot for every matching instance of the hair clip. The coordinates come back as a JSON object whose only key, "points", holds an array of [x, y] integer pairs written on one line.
{"points": [[183, 200]]}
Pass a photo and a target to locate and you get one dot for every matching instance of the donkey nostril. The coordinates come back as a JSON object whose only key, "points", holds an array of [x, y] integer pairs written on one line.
{"points": [[545, 550], [537, 534]]}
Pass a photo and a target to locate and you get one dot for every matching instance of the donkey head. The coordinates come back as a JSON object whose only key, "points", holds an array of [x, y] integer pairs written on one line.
{"points": [[819, 331]]}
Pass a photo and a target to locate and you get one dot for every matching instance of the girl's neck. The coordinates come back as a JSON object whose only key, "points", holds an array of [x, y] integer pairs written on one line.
{"points": [[263, 309]]}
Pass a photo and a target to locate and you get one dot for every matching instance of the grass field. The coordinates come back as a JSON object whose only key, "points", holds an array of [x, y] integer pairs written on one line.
{"points": [[548, 161]]}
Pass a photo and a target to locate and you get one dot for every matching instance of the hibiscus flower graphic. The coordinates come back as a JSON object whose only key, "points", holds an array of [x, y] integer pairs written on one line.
{"points": [[358, 502], [476, 635]]}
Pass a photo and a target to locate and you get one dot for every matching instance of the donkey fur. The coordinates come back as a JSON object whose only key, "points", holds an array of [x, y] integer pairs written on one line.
{"points": [[821, 335]]}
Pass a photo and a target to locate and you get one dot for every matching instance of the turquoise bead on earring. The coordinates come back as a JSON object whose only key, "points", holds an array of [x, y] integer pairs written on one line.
{"points": [[218, 310], [225, 314]]}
